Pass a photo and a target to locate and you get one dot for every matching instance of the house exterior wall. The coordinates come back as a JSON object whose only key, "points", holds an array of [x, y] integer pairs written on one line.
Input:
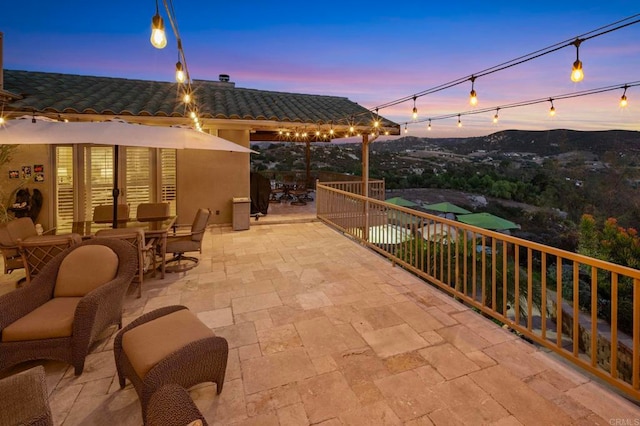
{"points": [[211, 179], [29, 155]]}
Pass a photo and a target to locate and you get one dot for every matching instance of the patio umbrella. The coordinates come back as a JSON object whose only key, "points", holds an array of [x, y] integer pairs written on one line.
{"points": [[386, 234], [445, 207], [44, 131], [487, 221], [399, 201], [438, 232]]}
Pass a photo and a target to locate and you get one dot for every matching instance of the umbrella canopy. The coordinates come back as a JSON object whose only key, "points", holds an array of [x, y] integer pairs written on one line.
{"points": [[438, 232], [44, 131], [112, 132], [445, 207], [387, 234], [487, 221], [399, 201]]}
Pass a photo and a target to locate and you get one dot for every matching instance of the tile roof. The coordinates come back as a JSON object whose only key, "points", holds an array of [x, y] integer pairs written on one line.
{"points": [[79, 94]]}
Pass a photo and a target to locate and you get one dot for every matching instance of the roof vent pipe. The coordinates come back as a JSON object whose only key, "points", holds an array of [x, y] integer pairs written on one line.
{"points": [[224, 78]]}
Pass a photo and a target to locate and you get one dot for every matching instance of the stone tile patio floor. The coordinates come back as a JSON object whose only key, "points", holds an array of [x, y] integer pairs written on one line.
{"points": [[324, 331]]}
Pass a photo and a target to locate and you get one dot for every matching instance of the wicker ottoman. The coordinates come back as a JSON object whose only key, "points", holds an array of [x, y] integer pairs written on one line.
{"points": [[169, 345]]}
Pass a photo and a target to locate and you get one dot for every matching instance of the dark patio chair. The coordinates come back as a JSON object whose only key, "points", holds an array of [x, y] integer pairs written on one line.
{"points": [[74, 298]]}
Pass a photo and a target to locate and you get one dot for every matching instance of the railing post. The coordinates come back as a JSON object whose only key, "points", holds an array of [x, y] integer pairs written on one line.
{"points": [[365, 184]]}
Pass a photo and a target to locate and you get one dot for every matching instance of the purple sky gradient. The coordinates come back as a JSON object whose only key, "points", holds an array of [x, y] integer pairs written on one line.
{"points": [[369, 52]]}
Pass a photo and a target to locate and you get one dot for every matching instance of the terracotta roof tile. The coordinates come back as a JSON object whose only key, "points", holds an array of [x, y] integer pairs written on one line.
{"points": [[69, 93]]}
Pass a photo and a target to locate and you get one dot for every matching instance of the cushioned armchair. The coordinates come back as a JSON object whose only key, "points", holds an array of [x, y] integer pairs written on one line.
{"points": [[73, 299], [180, 243]]}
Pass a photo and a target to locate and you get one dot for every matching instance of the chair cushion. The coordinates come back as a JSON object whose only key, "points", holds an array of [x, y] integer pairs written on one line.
{"points": [[53, 319], [151, 342], [84, 269]]}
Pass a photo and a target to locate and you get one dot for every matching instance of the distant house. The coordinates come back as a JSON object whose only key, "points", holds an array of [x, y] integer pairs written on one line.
{"points": [[78, 177]]}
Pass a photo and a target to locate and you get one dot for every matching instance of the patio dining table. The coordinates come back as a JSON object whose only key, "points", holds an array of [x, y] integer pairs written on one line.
{"points": [[158, 229]]}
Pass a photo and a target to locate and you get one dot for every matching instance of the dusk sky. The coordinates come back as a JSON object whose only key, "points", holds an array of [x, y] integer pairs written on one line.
{"points": [[370, 52]]}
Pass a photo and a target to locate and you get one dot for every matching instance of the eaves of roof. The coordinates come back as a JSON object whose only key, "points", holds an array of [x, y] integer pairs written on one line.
{"points": [[78, 94]]}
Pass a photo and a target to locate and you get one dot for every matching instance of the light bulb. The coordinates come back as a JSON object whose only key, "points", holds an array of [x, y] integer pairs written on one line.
{"points": [[317, 132], [1, 120], [576, 72], [351, 129], [405, 129], [186, 98], [158, 36], [552, 111], [179, 72], [473, 97], [495, 118], [192, 114], [429, 126], [376, 123], [623, 101], [459, 122], [331, 132], [415, 113]]}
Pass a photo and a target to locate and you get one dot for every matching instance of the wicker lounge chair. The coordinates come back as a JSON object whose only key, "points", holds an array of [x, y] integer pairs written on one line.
{"points": [[75, 297], [168, 345], [171, 405]]}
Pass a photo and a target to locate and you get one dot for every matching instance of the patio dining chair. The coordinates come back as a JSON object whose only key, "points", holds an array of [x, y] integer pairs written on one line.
{"points": [[145, 250], [152, 211], [10, 233], [37, 251], [181, 243], [104, 213]]}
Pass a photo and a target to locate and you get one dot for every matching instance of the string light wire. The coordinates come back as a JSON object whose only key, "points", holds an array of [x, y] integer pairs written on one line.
{"points": [[533, 102], [614, 26]]}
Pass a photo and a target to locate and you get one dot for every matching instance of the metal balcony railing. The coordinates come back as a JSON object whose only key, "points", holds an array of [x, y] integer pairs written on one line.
{"points": [[571, 304]]}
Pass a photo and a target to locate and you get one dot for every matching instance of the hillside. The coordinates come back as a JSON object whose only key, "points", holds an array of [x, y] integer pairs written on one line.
{"points": [[572, 172]]}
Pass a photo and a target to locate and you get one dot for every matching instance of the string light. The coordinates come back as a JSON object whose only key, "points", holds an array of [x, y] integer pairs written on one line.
{"points": [[186, 98], [617, 25], [576, 71], [158, 36], [180, 76], [495, 117], [459, 121], [415, 110], [405, 129], [473, 97], [552, 110], [623, 98], [429, 126]]}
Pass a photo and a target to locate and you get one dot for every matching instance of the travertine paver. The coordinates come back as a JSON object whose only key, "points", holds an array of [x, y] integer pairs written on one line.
{"points": [[323, 331]]}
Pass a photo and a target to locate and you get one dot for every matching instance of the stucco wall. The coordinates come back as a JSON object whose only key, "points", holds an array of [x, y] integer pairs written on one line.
{"points": [[211, 179], [29, 155]]}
